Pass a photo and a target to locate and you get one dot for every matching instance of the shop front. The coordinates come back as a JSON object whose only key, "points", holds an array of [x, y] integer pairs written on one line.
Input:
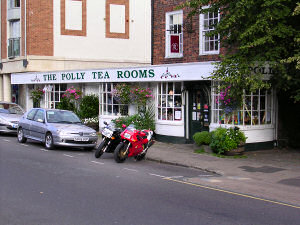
{"points": [[183, 98]]}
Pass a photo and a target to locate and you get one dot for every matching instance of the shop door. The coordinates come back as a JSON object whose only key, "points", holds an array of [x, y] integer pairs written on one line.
{"points": [[199, 110]]}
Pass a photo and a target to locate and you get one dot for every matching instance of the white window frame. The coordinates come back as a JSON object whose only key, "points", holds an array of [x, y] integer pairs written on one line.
{"points": [[104, 105], [168, 53], [162, 108], [251, 111], [50, 91], [202, 36]]}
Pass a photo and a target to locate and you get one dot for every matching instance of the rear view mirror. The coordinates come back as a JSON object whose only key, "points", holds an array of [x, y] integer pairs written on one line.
{"points": [[105, 123]]}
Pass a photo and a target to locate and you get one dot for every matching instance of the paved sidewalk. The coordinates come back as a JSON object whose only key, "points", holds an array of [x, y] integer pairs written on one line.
{"points": [[271, 174]]}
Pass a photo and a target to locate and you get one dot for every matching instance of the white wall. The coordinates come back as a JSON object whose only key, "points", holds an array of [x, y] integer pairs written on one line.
{"points": [[96, 46]]}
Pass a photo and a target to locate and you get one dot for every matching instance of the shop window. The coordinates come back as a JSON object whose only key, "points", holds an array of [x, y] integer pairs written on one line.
{"points": [[53, 95], [209, 44], [174, 34], [110, 105], [255, 109], [169, 101]]}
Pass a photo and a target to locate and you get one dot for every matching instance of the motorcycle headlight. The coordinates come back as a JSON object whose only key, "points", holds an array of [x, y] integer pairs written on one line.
{"points": [[108, 133], [126, 135]]}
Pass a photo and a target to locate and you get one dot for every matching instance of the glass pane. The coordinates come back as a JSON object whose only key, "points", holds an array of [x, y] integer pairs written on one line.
{"points": [[212, 46], [159, 89], [255, 118], [116, 109], [109, 99], [221, 117], [170, 114], [262, 103], [177, 88], [56, 96], [170, 89], [108, 87], [206, 46], [164, 114], [164, 90], [63, 87], [255, 103], [109, 109], [247, 118], [262, 117], [170, 101], [164, 104], [177, 101], [159, 100], [159, 114]]}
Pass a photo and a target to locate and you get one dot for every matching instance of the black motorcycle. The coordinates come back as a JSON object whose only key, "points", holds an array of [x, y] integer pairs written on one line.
{"points": [[111, 137]]}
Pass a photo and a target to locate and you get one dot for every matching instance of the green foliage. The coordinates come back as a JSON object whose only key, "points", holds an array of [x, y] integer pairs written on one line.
{"points": [[144, 120], [89, 107], [256, 33], [122, 93], [201, 138], [37, 95], [226, 139], [66, 104]]}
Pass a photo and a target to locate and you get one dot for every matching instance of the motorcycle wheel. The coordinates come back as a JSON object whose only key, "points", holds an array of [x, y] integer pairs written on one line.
{"points": [[119, 153], [99, 150]]}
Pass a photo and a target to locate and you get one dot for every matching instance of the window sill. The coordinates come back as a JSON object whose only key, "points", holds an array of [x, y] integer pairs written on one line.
{"points": [[209, 53], [245, 127], [174, 56], [170, 122]]}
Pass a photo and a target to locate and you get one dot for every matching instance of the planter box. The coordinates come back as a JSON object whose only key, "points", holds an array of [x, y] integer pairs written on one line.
{"points": [[237, 151]]}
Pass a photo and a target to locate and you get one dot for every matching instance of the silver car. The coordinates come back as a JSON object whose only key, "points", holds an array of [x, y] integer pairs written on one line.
{"points": [[10, 113], [55, 127]]}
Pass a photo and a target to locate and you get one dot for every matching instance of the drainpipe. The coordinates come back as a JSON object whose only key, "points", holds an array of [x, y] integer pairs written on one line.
{"points": [[25, 30], [152, 19]]}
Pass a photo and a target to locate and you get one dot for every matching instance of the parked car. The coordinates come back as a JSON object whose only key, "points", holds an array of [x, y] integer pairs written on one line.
{"points": [[10, 113], [55, 127]]}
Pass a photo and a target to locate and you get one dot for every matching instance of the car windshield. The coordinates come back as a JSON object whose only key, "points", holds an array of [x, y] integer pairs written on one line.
{"points": [[9, 108], [54, 116]]}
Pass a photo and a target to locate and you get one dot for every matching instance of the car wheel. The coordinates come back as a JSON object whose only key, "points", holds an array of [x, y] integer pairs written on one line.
{"points": [[49, 144], [21, 137]]}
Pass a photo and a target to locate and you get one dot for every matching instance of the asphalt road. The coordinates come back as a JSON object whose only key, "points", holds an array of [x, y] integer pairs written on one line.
{"points": [[70, 187]]}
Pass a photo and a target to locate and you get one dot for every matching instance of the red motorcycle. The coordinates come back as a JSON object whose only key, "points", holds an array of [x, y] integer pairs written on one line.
{"points": [[133, 143]]}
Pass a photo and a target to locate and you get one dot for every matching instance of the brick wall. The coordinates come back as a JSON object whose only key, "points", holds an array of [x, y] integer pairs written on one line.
{"points": [[40, 27], [190, 40], [3, 29]]}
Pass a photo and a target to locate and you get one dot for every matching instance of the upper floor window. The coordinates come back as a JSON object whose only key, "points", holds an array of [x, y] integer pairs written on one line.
{"points": [[14, 39], [14, 3], [174, 34], [209, 44]]}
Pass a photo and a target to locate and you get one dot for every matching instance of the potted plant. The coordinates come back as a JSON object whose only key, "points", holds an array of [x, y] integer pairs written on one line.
{"points": [[228, 141], [37, 95]]}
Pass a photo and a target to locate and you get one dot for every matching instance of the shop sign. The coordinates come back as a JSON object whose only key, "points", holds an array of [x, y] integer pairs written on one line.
{"points": [[179, 72]]}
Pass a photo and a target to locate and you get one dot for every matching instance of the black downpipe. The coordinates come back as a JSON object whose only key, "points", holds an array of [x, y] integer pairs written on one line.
{"points": [[152, 27]]}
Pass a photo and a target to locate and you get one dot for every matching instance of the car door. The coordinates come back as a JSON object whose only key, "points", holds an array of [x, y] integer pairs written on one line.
{"points": [[25, 122], [38, 125]]}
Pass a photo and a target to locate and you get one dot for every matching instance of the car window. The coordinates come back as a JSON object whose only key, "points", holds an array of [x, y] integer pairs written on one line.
{"points": [[9, 108], [31, 114], [39, 116], [61, 117]]}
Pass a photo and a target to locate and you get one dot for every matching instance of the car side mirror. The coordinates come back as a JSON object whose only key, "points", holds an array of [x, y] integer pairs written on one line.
{"points": [[105, 123], [40, 121]]}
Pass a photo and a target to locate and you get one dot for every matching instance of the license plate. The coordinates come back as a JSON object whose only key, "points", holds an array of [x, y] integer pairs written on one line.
{"points": [[81, 139]]}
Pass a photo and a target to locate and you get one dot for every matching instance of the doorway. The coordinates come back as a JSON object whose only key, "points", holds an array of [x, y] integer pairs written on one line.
{"points": [[199, 108]]}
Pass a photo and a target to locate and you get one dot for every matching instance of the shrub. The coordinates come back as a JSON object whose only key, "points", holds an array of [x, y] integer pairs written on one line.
{"points": [[89, 107], [66, 104], [223, 139], [201, 138], [143, 120]]}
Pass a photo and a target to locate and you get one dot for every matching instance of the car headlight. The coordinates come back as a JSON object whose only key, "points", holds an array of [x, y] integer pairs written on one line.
{"points": [[3, 121], [93, 134]]}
